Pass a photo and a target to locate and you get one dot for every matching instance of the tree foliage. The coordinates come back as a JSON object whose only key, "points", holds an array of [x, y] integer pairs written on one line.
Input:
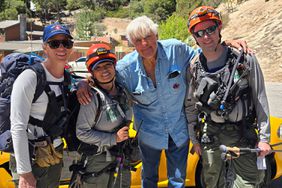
{"points": [[49, 9], [136, 8], [73, 4], [174, 27], [184, 7], [9, 14], [10, 9], [2, 7], [158, 10], [87, 24], [108, 5]]}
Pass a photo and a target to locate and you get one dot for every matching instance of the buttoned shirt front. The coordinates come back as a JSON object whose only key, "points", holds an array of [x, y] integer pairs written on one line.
{"points": [[159, 111]]}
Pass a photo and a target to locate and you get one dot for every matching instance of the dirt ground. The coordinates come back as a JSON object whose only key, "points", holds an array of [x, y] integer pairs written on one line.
{"points": [[116, 26], [260, 24]]}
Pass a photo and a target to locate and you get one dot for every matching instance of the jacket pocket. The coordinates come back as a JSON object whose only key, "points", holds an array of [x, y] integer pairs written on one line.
{"points": [[176, 84]]}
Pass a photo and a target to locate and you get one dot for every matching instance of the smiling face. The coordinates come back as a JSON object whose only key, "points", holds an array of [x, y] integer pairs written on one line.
{"points": [[60, 54], [146, 46], [104, 72], [209, 40]]}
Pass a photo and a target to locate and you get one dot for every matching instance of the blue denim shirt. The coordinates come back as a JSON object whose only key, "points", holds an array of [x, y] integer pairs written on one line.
{"points": [[161, 108]]}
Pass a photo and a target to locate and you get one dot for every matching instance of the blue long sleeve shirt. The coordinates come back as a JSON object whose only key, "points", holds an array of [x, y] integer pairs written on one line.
{"points": [[159, 108]]}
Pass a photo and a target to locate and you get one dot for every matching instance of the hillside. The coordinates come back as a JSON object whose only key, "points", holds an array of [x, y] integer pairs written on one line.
{"points": [[260, 24], [116, 26]]}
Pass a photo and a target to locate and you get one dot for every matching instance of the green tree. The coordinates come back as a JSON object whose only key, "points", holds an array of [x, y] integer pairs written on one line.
{"points": [[87, 24], [165, 9], [136, 8], [73, 4], [9, 14], [45, 7], [158, 10], [2, 7], [11, 8], [174, 27], [88, 4], [184, 7]]}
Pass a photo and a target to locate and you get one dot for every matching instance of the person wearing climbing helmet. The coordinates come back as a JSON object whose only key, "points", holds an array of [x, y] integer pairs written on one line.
{"points": [[203, 14], [101, 63], [103, 123], [226, 107]]}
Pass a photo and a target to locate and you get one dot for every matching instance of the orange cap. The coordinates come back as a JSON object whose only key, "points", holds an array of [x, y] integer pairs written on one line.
{"points": [[98, 53], [201, 14]]}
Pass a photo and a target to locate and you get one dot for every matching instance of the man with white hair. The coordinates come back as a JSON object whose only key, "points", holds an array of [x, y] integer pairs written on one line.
{"points": [[155, 75]]}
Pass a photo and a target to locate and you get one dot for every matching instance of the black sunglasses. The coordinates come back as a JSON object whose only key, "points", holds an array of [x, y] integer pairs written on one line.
{"points": [[54, 44], [210, 30]]}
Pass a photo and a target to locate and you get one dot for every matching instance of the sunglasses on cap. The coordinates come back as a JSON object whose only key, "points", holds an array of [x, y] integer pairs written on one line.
{"points": [[210, 30], [54, 44], [203, 12]]}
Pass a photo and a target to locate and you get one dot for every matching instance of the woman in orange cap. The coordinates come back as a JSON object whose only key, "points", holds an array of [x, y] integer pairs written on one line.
{"points": [[106, 167]]}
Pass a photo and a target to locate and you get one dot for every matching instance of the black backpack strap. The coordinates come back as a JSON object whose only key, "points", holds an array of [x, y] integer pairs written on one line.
{"points": [[41, 79], [52, 106], [54, 115]]}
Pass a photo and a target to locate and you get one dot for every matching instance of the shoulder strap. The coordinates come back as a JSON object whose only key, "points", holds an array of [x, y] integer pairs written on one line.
{"points": [[99, 105], [41, 79], [192, 68], [67, 79], [98, 114]]}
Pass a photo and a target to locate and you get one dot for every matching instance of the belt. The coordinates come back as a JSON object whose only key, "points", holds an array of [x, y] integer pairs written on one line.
{"points": [[227, 123], [42, 141]]}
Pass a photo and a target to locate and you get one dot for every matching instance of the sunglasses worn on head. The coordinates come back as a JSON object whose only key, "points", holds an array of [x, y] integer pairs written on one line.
{"points": [[54, 44], [203, 12], [210, 30]]}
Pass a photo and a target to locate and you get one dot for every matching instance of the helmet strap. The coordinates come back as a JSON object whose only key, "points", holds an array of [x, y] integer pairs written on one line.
{"points": [[101, 83]]}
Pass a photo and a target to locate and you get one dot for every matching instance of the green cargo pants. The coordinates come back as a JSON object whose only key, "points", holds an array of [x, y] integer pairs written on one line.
{"points": [[47, 177], [235, 173], [97, 162]]}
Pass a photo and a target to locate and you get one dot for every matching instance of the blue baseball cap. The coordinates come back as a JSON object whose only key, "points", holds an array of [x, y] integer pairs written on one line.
{"points": [[55, 29]]}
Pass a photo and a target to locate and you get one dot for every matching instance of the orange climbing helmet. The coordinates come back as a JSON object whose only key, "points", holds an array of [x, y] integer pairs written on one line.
{"points": [[98, 53], [201, 14]]}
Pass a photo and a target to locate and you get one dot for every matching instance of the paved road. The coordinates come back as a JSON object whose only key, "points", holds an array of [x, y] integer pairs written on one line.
{"points": [[274, 95]]}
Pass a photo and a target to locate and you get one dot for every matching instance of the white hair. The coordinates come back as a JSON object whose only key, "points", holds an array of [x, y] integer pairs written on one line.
{"points": [[140, 27]]}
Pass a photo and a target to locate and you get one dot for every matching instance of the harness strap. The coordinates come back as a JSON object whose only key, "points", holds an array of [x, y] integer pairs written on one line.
{"points": [[52, 99], [109, 168]]}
